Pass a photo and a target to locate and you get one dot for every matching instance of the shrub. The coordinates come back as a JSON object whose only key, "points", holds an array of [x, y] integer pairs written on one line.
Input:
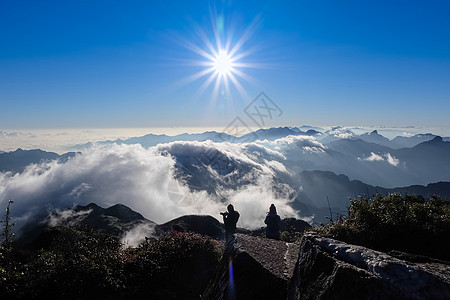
{"points": [[79, 263], [74, 262], [179, 265], [405, 223]]}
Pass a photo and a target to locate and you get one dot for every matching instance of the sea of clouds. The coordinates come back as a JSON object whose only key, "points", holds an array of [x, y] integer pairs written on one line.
{"points": [[144, 180], [188, 177]]}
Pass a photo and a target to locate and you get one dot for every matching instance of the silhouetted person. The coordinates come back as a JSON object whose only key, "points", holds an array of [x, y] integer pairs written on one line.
{"points": [[273, 222], [230, 219]]}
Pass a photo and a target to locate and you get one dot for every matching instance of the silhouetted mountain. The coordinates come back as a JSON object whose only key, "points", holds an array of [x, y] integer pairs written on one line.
{"points": [[152, 140], [375, 137], [399, 141], [439, 188], [16, 161], [149, 140], [408, 142], [307, 128], [312, 132], [358, 148], [275, 133], [424, 163], [430, 160], [115, 220], [205, 225], [116, 216], [336, 133], [322, 190]]}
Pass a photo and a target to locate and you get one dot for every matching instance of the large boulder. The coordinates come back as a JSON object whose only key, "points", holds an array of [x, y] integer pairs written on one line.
{"points": [[204, 225], [330, 269], [254, 268]]}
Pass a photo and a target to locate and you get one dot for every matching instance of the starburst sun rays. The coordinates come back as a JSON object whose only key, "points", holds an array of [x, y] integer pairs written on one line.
{"points": [[221, 60]]}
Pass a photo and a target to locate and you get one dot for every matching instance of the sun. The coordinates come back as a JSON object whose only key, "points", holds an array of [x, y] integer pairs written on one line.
{"points": [[223, 63], [222, 58]]}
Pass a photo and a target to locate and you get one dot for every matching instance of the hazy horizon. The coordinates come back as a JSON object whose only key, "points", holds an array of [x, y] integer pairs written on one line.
{"points": [[63, 140]]}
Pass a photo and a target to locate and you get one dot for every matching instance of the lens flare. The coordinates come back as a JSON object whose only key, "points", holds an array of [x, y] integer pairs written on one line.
{"points": [[231, 294]]}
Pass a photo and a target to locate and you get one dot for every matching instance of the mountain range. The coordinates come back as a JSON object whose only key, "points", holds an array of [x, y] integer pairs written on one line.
{"points": [[17, 161], [397, 142], [271, 134], [314, 171]]}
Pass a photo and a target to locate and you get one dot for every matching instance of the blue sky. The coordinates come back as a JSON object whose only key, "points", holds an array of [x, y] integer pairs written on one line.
{"points": [[113, 64]]}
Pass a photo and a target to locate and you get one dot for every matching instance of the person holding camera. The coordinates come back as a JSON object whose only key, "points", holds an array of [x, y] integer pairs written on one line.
{"points": [[230, 219]]}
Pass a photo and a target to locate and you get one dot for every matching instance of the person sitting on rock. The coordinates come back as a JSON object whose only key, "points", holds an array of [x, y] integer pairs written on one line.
{"points": [[230, 219], [273, 222]]}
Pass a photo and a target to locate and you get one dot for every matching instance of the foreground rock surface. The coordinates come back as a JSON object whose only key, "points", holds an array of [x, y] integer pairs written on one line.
{"points": [[322, 268], [254, 268], [330, 269]]}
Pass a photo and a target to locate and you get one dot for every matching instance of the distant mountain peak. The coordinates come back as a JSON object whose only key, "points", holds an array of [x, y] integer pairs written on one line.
{"points": [[375, 137], [424, 134], [313, 132], [437, 139]]}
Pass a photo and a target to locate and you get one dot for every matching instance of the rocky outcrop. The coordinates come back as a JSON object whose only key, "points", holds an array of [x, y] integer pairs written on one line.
{"points": [[330, 269], [254, 268], [322, 268], [204, 225]]}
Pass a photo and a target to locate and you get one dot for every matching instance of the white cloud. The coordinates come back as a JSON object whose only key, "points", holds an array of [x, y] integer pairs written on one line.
{"points": [[392, 160], [80, 189], [299, 140], [253, 203], [142, 179], [294, 142], [341, 132], [386, 157], [407, 134], [276, 165], [313, 149], [137, 234], [66, 217], [374, 157]]}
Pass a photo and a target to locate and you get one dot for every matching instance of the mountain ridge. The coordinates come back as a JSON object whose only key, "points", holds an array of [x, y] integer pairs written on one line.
{"points": [[18, 160]]}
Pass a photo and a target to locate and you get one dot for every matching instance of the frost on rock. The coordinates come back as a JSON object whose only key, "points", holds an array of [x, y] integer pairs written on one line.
{"points": [[407, 278]]}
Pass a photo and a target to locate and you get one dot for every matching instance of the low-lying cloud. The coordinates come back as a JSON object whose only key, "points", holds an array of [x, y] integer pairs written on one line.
{"points": [[384, 157], [66, 217], [143, 179], [374, 157], [137, 234]]}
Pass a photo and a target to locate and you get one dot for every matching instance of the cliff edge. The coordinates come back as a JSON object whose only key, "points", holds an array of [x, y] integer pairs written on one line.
{"points": [[321, 268]]}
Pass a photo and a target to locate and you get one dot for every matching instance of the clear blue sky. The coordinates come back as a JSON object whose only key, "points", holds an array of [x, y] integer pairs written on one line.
{"points": [[90, 64]]}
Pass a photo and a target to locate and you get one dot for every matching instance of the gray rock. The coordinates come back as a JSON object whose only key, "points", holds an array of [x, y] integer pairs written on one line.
{"points": [[254, 268], [330, 269]]}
